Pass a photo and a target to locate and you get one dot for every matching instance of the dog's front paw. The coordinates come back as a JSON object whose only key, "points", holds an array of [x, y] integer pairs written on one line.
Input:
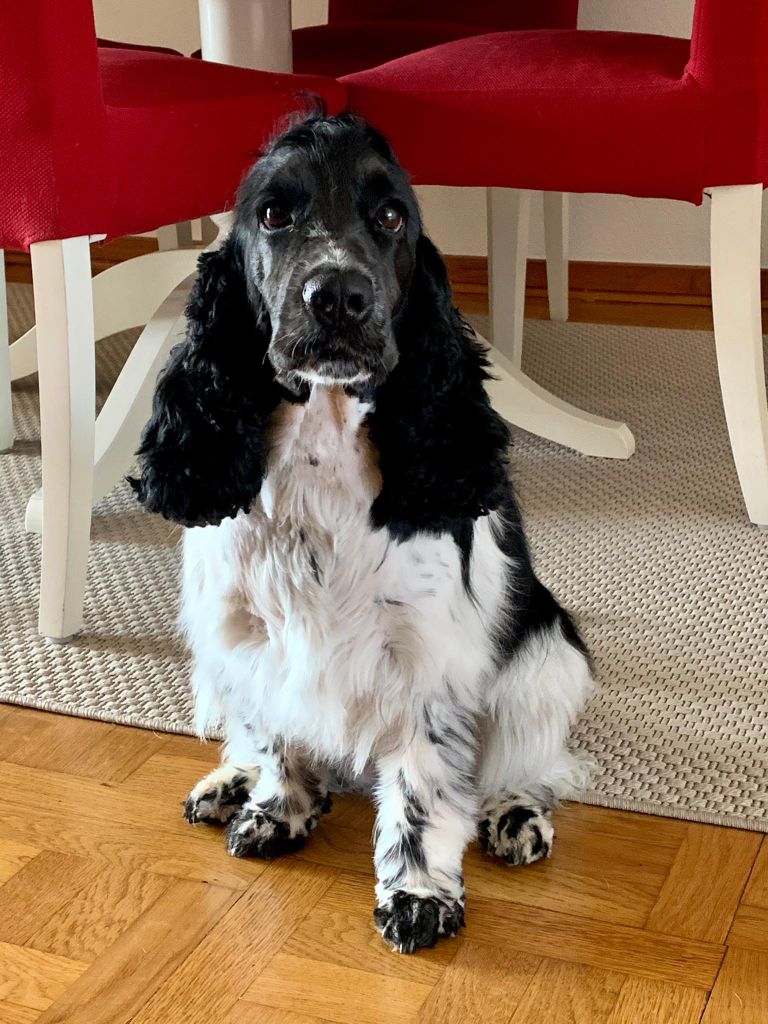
{"points": [[409, 922], [220, 795], [254, 833], [517, 833]]}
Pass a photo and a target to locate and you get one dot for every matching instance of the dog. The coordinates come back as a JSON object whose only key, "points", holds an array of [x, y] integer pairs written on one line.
{"points": [[357, 591]]}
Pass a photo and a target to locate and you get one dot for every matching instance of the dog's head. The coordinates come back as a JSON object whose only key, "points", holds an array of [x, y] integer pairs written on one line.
{"points": [[328, 225], [326, 278]]}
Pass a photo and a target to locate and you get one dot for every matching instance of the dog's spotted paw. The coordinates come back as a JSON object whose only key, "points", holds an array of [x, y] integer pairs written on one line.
{"points": [[407, 922], [220, 795], [254, 833], [517, 833]]}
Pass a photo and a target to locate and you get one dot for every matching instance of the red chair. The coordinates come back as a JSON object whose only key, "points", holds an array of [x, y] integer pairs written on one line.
{"points": [[362, 34], [100, 143], [640, 115]]}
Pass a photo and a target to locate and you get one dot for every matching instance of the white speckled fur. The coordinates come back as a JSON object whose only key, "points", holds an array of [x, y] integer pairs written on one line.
{"points": [[310, 628]]}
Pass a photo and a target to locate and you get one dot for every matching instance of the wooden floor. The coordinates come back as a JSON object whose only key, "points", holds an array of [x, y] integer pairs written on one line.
{"points": [[113, 909]]}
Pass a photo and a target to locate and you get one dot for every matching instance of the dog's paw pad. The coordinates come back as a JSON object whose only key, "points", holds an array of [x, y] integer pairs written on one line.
{"points": [[252, 833], [219, 796], [518, 834], [407, 922]]}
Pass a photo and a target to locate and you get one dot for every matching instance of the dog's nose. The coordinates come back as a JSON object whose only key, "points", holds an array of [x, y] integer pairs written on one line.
{"points": [[340, 298]]}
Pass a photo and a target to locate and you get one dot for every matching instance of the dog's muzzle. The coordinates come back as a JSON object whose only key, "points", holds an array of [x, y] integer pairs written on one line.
{"points": [[339, 300], [345, 340]]}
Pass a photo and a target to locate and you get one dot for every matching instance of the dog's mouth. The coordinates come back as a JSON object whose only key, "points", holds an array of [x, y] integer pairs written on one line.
{"points": [[333, 360]]}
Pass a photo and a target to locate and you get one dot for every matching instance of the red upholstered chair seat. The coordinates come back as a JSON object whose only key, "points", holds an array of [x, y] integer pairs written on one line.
{"points": [[494, 14], [554, 110], [365, 33], [170, 143], [115, 44], [341, 49]]}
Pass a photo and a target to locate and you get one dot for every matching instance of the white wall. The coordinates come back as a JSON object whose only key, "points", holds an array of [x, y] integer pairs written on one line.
{"points": [[610, 228]]}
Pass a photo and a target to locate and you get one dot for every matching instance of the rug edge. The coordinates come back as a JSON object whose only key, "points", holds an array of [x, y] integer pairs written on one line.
{"points": [[592, 798]]}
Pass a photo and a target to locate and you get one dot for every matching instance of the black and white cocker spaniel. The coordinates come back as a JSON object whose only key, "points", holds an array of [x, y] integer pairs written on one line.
{"points": [[357, 589]]}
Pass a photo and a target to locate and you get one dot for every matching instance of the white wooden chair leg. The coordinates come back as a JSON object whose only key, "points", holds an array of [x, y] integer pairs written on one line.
{"points": [[124, 296], [509, 220], [525, 404], [185, 234], [167, 238], [6, 405], [61, 272], [556, 224], [129, 405], [735, 257], [509, 214], [175, 236]]}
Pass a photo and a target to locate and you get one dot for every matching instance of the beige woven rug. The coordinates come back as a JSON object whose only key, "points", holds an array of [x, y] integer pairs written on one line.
{"points": [[655, 556]]}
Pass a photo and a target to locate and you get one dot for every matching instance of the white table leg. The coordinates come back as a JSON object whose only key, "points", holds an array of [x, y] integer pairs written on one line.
{"points": [[129, 405], [525, 404], [247, 33]]}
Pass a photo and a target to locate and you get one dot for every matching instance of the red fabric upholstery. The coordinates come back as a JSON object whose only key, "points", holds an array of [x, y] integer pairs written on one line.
{"points": [[362, 34], [344, 48], [117, 141], [113, 44], [582, 111], [560, 111], [493, 14], [729, 60]]}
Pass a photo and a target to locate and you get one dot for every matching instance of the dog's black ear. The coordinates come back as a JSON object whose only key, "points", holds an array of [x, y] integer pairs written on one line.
{"points": [[202, 452], [442, 448]]}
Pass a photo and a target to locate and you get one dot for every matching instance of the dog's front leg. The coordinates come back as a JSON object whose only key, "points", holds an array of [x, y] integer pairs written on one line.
{"points": [[270, 801], [283, 807], [427, 813]]}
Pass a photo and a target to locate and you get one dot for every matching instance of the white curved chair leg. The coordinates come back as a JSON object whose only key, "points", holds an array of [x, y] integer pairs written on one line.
{"points": [[509, 214], [556, 224], [64, 315], [23, 355], [129, 405], [6, 404], [522, 402], [735, 257], [124, 296]]}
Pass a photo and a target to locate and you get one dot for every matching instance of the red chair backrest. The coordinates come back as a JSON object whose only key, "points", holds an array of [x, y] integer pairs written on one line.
{"points": [[52, 115], [729, 48], [729, 60], [496, 14]]}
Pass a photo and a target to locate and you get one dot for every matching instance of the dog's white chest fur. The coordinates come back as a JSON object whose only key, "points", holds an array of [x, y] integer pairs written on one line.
{"points": [[309, 624]]}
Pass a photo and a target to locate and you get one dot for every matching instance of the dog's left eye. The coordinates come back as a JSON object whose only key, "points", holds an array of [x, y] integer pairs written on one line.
{"points": [[274, 216], [390, 218]]}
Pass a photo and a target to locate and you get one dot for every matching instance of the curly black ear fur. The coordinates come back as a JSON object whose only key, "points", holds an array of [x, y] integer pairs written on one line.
{"points": [[202, 452], [442, 448]]}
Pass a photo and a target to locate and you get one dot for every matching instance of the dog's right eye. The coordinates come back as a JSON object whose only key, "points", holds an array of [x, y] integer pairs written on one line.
{"points": [[274, 217]]}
